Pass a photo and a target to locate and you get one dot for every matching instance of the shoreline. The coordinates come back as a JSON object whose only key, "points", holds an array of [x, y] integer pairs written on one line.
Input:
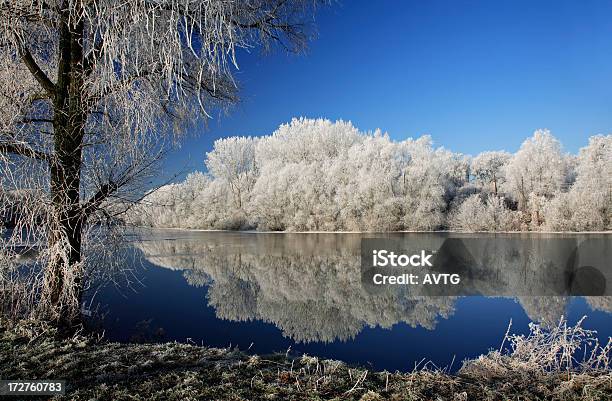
{"points": [[97, 369], [376, 232]]}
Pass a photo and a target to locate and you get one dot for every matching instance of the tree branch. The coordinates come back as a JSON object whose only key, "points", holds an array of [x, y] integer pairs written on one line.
{"points": [[23, 149], [36, 120], [104, 192], [92, 57], [36, 71]]}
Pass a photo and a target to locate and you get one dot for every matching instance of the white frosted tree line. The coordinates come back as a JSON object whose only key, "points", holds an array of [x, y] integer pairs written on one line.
{"points": [[318, 175]]}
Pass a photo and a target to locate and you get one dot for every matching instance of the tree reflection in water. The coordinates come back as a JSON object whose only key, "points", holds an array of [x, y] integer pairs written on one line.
{"points": [[310, 285]]}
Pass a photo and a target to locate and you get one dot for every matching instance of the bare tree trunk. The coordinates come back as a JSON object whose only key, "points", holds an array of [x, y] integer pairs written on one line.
{"points": [[495, 184], [63, 278]]}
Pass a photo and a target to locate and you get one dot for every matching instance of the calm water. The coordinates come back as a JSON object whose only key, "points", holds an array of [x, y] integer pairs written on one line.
{"points": [[304, 292]]}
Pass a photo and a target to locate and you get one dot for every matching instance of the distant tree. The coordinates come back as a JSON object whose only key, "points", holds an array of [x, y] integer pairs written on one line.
{"points": [[588, 204], [488, 168], [429, 173], [271, 205], [299, 164], [92, 92], [592, 191], [233, 160], [307, 140], [539, 167], [476, 214]]}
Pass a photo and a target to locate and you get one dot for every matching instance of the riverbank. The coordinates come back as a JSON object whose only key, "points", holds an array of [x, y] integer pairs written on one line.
{"points": [[96, 369], [608, 232]]}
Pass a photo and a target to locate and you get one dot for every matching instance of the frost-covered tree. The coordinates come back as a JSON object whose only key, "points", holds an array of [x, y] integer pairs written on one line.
{"points": [[426, 181], [295, 189], [92, 90], [538, 172], [212, 208], [271, 201], [476, 214], [588, 203], [306, 140], [172, 205], [488, 168], [233, 160], [592, 191], [539, 167], [368, 186]]}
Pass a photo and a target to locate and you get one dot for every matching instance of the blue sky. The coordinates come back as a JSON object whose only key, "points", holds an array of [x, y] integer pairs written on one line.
{"points": [[476, 75]]}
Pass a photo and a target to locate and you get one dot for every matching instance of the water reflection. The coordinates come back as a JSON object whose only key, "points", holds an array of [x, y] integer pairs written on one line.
{"points": [[310, 285]]}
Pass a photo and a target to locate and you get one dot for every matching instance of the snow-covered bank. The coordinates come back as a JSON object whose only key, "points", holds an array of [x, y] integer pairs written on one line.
{"points": [[533, 368], [609, 232]]}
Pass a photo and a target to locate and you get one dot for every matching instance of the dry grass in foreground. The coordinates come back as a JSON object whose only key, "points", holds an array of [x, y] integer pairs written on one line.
{"points": [[562, 363]]}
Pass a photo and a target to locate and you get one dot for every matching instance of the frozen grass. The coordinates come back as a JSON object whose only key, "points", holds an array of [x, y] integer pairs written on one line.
{"points": [[541, 366], [560, 348]]}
